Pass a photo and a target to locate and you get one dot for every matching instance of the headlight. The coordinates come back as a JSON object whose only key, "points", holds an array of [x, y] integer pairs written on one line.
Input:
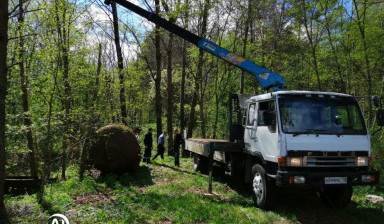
{"points": [[362, 161], [294, 161]]}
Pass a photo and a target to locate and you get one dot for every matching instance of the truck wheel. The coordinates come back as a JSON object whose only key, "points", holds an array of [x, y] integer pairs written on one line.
{"points": [[339, 197], [200, 163], [262, 190]]}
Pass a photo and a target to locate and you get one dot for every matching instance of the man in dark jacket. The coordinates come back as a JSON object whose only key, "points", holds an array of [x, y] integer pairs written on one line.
{"points": [[178, 140], [148, 146]]}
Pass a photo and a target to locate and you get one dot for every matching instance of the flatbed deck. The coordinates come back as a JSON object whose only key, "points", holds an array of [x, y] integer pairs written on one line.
{"points": [[204, 146]]}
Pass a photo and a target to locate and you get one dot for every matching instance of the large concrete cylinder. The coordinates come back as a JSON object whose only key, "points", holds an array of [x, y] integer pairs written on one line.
{"points": [[115, 150]]}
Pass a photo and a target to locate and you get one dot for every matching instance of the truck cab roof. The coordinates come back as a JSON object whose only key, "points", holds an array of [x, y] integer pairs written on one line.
{"points": [[268, 96]]}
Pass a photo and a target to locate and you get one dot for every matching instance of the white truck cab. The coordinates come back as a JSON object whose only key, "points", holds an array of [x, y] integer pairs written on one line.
{"points": [[306, 139], [281, 123]]}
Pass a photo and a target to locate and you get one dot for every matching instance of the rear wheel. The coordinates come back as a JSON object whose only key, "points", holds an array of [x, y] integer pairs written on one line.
{"points": [[339, 197], [262, 190], [200, 163]]}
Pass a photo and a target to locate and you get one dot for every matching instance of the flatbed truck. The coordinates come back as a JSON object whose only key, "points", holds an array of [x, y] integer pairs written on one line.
{"points": [[284, 139], [293, 139]]}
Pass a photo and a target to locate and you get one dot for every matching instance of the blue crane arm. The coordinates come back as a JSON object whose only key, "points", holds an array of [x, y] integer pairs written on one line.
{"points": [[266, 78]]}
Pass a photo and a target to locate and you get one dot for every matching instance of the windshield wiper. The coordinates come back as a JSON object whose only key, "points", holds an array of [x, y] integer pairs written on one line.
{"points": [[316, 131]]}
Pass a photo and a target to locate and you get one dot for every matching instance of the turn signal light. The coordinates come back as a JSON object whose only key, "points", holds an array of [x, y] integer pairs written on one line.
{"points": [[368, 178], [281, 161]]}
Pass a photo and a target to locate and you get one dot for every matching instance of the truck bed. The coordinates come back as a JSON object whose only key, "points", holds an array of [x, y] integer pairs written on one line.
{"points": [[203, 147]]}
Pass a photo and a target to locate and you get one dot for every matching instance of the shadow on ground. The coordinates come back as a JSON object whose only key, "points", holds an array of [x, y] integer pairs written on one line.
{"points": [[299, 206], [305, 206], [140, 178]]}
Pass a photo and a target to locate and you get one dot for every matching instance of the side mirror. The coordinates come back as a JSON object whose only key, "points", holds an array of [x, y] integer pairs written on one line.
{"points": [[375, 101], [380, 117]]}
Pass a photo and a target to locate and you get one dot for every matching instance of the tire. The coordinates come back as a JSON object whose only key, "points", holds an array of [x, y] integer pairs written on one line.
{"points": [[339, 197], [262, 190], [200, 163]]}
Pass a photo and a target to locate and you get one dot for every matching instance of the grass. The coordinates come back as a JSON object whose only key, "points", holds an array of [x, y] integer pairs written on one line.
{"points": [[162, 193]]}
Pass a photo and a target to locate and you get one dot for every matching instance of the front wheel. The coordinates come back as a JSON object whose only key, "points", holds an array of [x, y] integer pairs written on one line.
{"points": [[262, 190]]}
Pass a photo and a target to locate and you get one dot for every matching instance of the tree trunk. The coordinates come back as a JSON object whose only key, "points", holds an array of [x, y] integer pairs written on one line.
{"points": [[200, 68], [123, 107], [191, 123], [24, 95], [170, 94], [158, 98], [63, 40], [216, 100], [245, 40], [183, 76], [172, 19], [85, 150], [3, 94], [97, 75], [312, 44], [360, 18]]}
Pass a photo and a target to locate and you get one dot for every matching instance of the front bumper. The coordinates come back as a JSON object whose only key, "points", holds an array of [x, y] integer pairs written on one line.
{"points": [[317, 179]]}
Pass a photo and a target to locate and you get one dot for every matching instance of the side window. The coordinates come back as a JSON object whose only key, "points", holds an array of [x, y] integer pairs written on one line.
{"points": [[267, 115], [251, 114]]}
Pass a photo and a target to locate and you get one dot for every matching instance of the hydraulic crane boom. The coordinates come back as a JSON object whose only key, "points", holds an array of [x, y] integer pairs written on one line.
{"points": [[266, 78]]}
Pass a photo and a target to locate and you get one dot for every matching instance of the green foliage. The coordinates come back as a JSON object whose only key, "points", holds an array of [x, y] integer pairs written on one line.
{"points": [[160, 192], [328, 42]]}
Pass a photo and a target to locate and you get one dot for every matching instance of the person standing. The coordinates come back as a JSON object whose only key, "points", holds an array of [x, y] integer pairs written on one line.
{"points": [[160, 146], [148, 140], [137, 131], [178, 140]]}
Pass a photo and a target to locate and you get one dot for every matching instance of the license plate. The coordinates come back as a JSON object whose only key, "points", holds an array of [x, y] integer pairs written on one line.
{"points": [[335, 180]]}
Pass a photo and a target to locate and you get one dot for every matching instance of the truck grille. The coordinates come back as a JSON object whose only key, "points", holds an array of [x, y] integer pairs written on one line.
{"points": [[330, 161]]}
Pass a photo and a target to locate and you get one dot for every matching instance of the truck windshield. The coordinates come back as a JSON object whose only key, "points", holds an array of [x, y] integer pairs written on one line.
{"points": [[321, 114]]}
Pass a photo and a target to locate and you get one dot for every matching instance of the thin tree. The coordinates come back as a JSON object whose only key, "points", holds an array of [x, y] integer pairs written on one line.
{"points": [[169, 50], [3, 94], [183, 70], [24, 93], [312, 35], [123, 107], [361, 12], [198, 79], [245, 41], [158, 98], [200, 65], [63, 31]]}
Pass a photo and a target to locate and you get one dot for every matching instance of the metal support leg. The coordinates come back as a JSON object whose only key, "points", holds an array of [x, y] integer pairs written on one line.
{"points": [[210, 165]]}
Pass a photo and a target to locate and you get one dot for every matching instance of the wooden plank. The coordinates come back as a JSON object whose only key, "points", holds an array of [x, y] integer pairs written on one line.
{"points": [[203, 147]]}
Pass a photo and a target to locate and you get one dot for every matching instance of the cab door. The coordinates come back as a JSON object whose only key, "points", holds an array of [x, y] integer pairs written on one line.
{"points": [[250, 127], [261, 135], [267, 131]]}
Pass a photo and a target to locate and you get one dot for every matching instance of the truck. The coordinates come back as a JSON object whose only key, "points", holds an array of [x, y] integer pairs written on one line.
{"points": [[284, 139], [293, 140]]}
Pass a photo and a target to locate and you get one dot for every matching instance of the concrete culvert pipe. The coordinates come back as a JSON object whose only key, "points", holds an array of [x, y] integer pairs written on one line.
{"points": [[115, 150]]}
